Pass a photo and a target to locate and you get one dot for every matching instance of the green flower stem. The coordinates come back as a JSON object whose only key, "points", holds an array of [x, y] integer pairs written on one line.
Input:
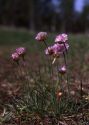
{"points": [[67, 77], [49, 60]]}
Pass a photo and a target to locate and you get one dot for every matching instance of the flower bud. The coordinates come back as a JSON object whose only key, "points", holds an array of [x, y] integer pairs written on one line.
{"points": [[61, 38], [15, 56], [21, 51], [41, 36], [62, 70]]}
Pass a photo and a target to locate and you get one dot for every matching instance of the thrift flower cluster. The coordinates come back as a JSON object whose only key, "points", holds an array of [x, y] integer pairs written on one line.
{"points": [[19, 52], [59, 47], [61, 38], [15, 56], [41, 36]]}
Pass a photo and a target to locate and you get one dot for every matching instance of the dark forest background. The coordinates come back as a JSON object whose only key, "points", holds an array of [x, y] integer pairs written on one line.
{"points": [[38, 15]]}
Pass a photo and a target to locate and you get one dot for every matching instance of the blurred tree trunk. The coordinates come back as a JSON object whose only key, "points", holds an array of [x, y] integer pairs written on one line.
{"points": [[31, 15], [67, 14], [85, 18]]}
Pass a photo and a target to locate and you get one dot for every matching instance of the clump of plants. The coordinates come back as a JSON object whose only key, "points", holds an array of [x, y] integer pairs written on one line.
{"points": [[45, 96]]}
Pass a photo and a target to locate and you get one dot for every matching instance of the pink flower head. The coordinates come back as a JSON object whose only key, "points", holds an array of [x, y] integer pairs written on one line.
{"points": [[56, 49], [62, 70], [15, 56], [21, 51], [41, 36], [60, 48], [64, 37], [49, 50], [61, 38]]}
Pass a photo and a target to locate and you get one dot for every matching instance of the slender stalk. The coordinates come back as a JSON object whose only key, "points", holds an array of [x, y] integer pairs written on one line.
{"points": [[16, 72], [81, 91], [65, 48], [25, 88], [65, 61], [25, 69], [50, 65], [61, 79], [46, 44], [81, 94]]}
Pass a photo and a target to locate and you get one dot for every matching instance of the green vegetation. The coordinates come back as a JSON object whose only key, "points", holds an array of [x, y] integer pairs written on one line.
{"points": [[29, 91]]}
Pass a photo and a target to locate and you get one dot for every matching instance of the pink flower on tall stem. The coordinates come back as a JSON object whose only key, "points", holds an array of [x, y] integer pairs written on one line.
{"points": [[56, 50], [21, 51], [41, 36], [60, 48], [15, 56], [61, 38]]}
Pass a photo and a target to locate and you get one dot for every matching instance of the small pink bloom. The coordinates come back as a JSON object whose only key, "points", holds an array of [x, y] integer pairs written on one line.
{"points": [[21, 51], [60, 48], [41, 36], [49, 51], [65, 37], [58, 38], [62, 70], [53, 50], [56, 49], [15, 56], [61, 38]]}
